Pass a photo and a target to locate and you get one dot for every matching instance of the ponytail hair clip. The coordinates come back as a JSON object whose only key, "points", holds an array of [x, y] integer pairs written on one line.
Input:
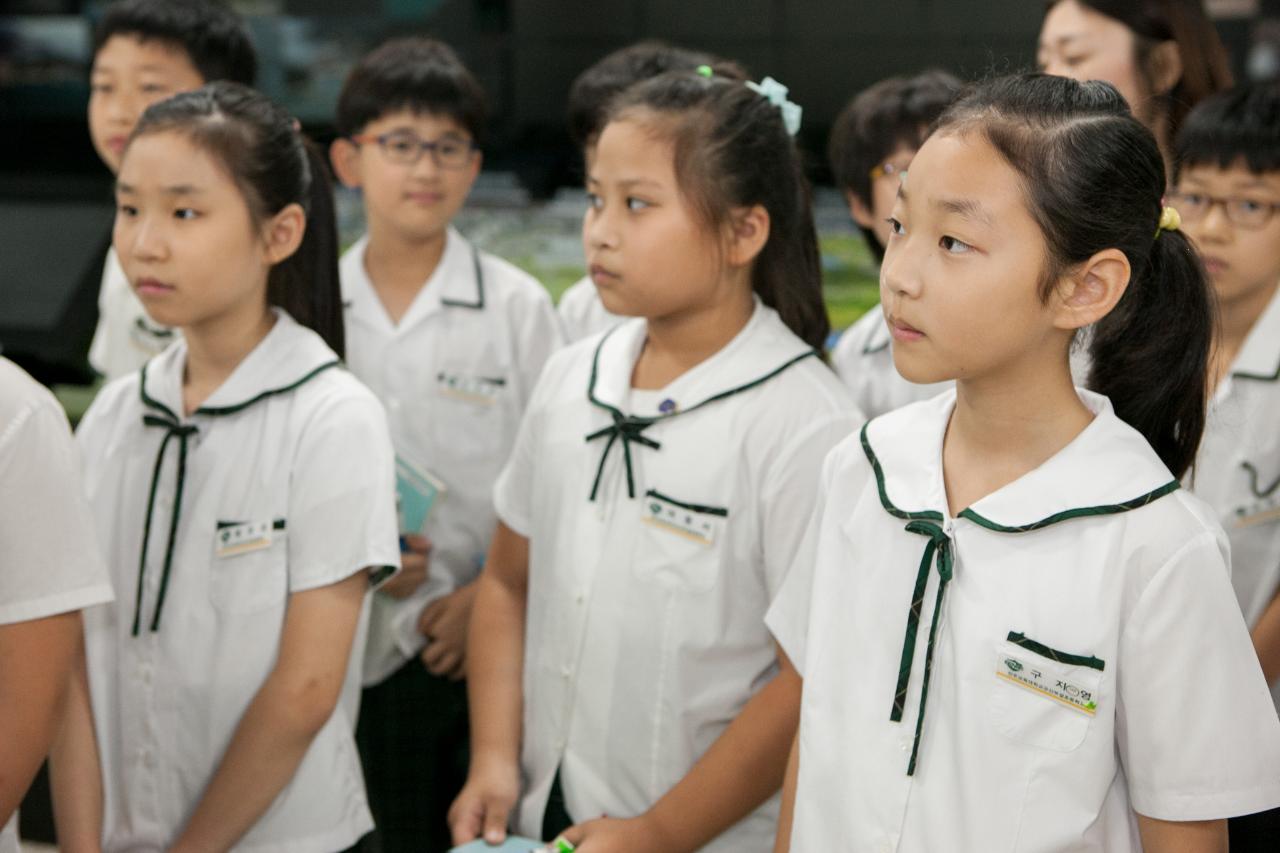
{"points": [[776, 93], [1170, 220]]}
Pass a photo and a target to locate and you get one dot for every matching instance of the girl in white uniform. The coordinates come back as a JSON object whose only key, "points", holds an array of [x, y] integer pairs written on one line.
{"points": [[661, 480], [243, 488], [1015, 631], [50, 569]]}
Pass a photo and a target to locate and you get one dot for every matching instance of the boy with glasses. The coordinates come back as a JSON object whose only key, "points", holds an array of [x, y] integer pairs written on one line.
{"points": [[871, 146], [1227, 191], [451, 340]]}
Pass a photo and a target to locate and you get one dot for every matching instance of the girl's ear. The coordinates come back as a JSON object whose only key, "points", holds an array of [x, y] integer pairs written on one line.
{"points": [[345, 157], [282, 234], [1164, 67], [1092, 290], [748, 233]]}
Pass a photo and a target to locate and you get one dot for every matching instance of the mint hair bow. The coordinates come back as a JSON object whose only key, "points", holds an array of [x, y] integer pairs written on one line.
{"points": [[777, 95]]}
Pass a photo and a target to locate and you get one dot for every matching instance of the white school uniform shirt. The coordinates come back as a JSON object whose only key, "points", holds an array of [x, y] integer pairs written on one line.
{"points": [[863, 358], [582, 313], [282, 481], [1237, 471], [656, 543], [126, 337], [1085, 659], [49, 558], [455, 376]]}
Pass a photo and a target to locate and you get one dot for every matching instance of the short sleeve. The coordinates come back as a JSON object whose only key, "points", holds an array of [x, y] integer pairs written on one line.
{"points": [[342, 513], [50, 561], [1197, 732], [788, 615]]}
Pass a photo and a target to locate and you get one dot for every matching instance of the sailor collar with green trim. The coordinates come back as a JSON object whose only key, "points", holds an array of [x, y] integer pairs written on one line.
{"points": [[1107, 468], [289, 355], [1259, 357], [763, 349], [456, 282]]}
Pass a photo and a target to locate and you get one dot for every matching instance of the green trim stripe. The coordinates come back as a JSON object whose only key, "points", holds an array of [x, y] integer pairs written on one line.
{"points": [[1081, 512], [478, 305], [705, 510], [1022, 640], [922, 515]]}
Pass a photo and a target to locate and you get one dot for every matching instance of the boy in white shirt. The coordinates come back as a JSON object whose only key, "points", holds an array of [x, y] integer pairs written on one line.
{"points": [[451, 339]]}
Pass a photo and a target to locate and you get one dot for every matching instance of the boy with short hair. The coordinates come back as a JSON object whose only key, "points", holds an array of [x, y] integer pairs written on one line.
{"points": [[451, 339], [143, 52], [871, 146], [1227, 190], [581, 311]]}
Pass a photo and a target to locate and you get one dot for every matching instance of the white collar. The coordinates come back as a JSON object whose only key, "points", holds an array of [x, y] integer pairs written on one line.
{"points": [[1107, 468], [1259, 356]]}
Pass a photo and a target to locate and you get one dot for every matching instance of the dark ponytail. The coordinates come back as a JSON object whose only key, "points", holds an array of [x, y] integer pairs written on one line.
{"points": [[1095, 180], [732, 150], [261, 147]]}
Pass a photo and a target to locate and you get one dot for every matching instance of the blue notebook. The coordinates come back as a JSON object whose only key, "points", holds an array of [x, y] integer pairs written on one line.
{"points": [[511, 845], [416, 493]]}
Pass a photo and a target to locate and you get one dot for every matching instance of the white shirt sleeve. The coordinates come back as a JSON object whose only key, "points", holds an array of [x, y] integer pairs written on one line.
{"points": [[50, 562], [342, 513], [1195, 727]]}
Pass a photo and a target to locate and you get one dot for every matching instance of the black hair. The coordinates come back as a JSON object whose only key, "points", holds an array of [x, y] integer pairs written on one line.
{"points": [[1094, 179], [260, 147], [1206, 66], [732, 150], [891, 114], [592, 90], [212, 36], [1240, 124], [421, 75]]}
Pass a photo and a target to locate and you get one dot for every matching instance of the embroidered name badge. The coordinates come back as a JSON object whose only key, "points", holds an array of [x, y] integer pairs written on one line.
{"points": [[474, 389], [701, 525], [1031, 675], [235, 539]]}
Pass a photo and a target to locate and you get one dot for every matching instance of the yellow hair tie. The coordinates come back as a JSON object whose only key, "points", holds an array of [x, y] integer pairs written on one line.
{"points": [[1170, 220]]}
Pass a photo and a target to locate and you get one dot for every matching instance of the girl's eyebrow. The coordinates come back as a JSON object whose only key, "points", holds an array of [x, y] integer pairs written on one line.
{"points": [[965, 207], [176, 189]]}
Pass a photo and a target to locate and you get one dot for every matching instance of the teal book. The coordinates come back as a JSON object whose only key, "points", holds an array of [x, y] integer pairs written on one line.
{"points": [[416, 493], [511, 845]]}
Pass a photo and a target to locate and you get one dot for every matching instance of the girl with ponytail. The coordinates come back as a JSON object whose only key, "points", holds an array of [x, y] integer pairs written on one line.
{"points": [[662, 477], [1015, 630], [242, 484]]}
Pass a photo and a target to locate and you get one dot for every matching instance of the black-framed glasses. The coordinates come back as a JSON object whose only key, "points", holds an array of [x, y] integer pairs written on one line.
{"points": [[887, 169], [1248, 213], [405, 148]]}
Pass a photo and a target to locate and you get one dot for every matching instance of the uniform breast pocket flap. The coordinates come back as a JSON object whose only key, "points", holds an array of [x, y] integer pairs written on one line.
{"points": [[250, 570], [469, 386], [1042, 696], [681, 541]]}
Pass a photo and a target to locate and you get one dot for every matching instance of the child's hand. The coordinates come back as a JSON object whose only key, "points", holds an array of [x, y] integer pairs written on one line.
{"points": [[413, 568], [484, 804], [618, 835], [444, 623]]}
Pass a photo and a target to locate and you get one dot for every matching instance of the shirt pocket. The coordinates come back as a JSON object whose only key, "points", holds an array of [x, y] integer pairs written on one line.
{"points": [[470, 408], [250, 566], [1041, 696], [680, 542]]}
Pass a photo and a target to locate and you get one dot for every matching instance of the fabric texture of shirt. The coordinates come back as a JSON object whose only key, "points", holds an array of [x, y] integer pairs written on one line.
{"points": [[50, 562], [281, 481], [660, 526], [1025, 675], [455, 375]]}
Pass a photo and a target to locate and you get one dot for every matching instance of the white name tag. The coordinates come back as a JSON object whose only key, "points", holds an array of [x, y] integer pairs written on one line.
{"points": [[1029, 673], [668, 515], [1259, 512], [242, 538], [474, 389]]}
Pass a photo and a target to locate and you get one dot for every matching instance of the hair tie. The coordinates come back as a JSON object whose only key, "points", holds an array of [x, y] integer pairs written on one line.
{"points": [[1170, 220], [705, 71], [776, 93]]}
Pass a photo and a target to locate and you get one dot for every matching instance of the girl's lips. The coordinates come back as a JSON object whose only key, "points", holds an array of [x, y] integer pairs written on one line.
{"points": [[902, 332], [1214, 265], [425, 198], [116, 143], [600, 275], [153, 287]]}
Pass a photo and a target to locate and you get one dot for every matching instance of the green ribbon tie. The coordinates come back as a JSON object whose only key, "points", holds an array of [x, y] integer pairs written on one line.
{"points": [[173, 429], [628, 429]]}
